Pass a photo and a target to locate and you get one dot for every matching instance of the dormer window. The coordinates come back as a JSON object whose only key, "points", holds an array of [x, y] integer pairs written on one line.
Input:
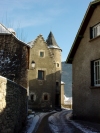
{"points": [[95, 31]]}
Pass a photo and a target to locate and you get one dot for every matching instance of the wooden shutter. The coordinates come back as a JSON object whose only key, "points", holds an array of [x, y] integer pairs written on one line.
{"points": [[91, 33], [92, 73]]}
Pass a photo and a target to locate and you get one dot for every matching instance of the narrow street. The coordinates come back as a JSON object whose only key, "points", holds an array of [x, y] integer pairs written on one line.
{"points": [[59, 122], [44, 125]]}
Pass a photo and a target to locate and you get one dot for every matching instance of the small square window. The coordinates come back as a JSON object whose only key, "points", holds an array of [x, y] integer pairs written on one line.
{"points": [[41, 54]]}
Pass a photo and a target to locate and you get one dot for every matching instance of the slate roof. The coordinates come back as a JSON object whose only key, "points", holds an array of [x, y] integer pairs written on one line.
{"points": [[80, 33], [51, 42]]}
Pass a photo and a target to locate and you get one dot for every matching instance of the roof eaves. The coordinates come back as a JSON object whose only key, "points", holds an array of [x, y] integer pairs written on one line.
{"points": [[9, 32], [80, 32]]}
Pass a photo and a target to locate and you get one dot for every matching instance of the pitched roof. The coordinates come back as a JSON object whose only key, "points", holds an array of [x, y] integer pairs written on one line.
{"points": [[4, 30], [81, 30], [51, 42]]}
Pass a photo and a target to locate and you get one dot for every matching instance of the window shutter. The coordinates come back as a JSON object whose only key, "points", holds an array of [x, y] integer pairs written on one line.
{"points": [[91, 33], [92, 73]]}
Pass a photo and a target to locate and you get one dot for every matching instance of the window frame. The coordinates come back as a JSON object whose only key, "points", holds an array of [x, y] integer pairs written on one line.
{"points": [[95, 31], [41, 51], [42, 77], [95, 73]]}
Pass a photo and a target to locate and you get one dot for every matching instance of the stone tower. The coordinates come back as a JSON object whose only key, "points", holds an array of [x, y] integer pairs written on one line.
{"points": [[56, 58]]}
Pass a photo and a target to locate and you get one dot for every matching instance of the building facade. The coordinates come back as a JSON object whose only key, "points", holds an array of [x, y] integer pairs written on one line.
{"points": [[45, 78], [85, 59]]}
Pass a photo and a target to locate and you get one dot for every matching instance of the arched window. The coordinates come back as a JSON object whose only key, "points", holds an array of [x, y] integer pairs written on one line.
{"points": [[32, 97]]}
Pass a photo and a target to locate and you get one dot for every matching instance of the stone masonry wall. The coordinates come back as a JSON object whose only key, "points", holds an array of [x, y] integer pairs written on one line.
{"points": [[13, 59], [13, 106]]}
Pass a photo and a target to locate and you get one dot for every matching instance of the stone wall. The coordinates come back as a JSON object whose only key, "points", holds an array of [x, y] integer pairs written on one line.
{"points": [[13, 59], [13, 106]]}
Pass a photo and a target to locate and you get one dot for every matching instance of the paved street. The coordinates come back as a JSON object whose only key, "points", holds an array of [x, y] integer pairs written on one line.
{"points": [[44, 126], [59, 122]]}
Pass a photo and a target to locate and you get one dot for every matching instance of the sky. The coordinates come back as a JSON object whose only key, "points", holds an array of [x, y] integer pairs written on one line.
{"points": [[30, 18]]}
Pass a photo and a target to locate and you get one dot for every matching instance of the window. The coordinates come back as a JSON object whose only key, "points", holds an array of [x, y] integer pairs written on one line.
{"points": [[41, 75], [95, 31], [57, 64], [95, 73], [41, 53], [32, 97], [45, 96]]}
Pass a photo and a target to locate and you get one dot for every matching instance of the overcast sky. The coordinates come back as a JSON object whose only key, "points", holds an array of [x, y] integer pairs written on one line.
{"points": [[29, 18]]}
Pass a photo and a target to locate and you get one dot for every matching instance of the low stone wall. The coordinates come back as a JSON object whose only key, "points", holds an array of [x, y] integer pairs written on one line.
{"points": [[13, 106]]}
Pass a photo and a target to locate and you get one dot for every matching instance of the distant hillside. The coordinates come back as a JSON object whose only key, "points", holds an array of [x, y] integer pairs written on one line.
{"points": [[67, 78]]}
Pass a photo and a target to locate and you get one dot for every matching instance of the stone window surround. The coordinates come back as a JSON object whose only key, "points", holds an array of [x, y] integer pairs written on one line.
{"points": [[45, 72], [47, 94], [43, 52], [32, 93], [57, 63]]}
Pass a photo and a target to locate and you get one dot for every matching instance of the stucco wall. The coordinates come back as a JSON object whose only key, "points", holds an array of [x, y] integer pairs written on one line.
{"points": [[13, 59], [48, 65], [85, 99], [13, 106]]}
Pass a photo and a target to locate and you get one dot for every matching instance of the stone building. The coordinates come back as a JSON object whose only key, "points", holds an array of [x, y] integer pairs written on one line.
{"points": [[45, 78], [13, 57], [13, 68], [85, 58]]}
